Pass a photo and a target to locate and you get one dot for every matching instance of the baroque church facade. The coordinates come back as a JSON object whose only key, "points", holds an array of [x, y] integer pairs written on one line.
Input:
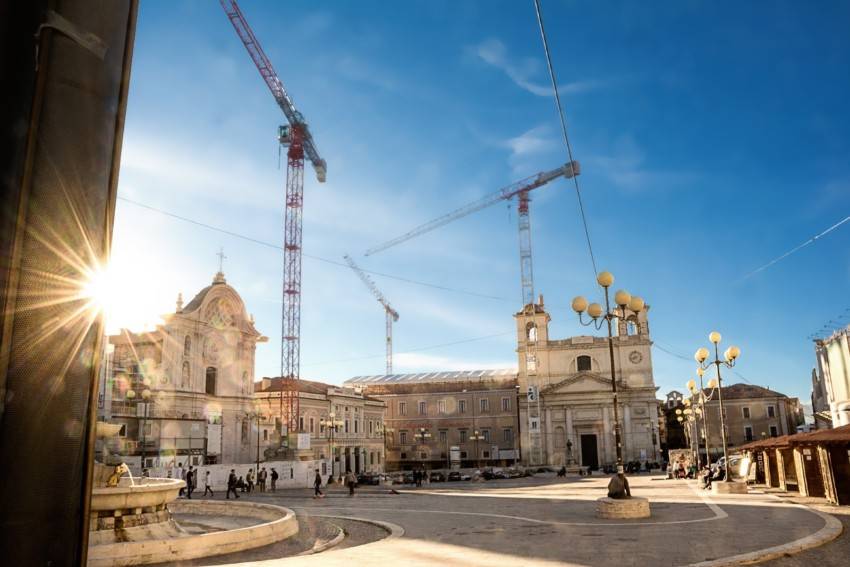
{"points": [[565, 401], [198, 370]]}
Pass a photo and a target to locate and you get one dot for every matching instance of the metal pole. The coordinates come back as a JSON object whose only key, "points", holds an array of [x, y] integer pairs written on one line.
{"points": [[722, 420], [144, 425], [258, 444], [617, 439], [704, 423]]}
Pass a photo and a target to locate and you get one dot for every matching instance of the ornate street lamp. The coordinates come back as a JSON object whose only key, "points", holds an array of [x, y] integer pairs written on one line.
{"points": [[385, 432], [476, 436], [331, 424], [422, 435], [730, 355], [146, 396], [624, 300]]}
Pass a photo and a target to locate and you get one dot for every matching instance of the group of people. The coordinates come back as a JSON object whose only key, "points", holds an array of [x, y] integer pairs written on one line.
{"points": [[247, 484], [419, 475]]}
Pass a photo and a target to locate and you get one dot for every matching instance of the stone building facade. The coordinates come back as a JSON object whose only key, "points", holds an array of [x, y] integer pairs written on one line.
{"points": [[468, 418], [198, 367], [750, 413], [355, 444], [565, 406], [833, 376]]}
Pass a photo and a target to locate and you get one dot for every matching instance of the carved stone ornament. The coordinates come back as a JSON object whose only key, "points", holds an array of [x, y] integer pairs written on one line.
{"points": [[211, 350], [635, 357]]}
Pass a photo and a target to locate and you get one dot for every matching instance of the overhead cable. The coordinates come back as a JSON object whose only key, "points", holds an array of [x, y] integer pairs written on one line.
{"points": [[563, 121]]}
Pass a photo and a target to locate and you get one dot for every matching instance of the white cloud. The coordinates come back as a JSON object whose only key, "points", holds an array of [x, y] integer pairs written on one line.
{"points": [[494, 52], [626, 167]]}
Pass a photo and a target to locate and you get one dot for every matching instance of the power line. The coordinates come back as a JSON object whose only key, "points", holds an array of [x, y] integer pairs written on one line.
{"points": [[312, 257], [683, 357], [796, 248], [419, 349], [564, 129]]}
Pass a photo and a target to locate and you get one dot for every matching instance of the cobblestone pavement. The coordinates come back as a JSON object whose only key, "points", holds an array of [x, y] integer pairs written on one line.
{"points": [[544, 521]]}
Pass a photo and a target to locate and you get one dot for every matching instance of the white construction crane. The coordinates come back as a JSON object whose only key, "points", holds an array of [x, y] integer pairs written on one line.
{"points": [[521, 190], [392, 314]]}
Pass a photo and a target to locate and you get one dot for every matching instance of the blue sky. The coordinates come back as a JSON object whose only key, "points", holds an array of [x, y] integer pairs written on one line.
{"points": [[713, 137]]}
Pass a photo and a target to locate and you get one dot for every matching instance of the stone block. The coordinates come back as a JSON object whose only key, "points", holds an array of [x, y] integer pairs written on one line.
{"points": [[628, 508], [721, 487]]}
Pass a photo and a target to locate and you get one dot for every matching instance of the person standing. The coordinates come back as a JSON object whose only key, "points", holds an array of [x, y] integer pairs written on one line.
{"points": [[275, 476], [317, 485], [351, 480], [181, 474], [249, 480], [207, 486], [190, 482], [261, 479], [231, 484]]}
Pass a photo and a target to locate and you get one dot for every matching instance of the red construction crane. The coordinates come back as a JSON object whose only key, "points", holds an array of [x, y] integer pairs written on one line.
{"points": [[392, 314], [521, 189], [297, 136]]}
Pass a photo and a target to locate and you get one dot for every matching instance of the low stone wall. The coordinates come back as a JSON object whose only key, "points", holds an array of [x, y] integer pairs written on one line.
{"points": [[280, 523], [622, 509]]}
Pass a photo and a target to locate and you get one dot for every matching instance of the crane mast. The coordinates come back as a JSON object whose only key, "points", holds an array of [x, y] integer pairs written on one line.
{"points": [[296, 135], [521, 190], [391, 314]]}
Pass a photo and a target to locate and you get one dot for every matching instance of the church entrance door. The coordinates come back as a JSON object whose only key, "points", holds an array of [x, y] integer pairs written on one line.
{"points": [[589, 452]]}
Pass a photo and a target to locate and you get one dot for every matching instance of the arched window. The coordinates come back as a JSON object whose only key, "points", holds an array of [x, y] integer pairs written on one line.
{"points": [[211, 379], [531, 332], [583, 363], [185, 376], [187, 346], [632, 326]]}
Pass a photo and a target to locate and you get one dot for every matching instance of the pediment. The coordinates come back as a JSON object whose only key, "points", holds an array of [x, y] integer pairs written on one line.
{"points": [[582, 382]]}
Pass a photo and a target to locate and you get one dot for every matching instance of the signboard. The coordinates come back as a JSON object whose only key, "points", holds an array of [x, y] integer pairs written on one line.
{"points": [[303, 441], [454, 455], [214, 439], [531, 394]]}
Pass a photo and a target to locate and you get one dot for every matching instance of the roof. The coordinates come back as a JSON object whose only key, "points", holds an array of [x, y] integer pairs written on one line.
{"points": [[304, 387], [745, 392], [434, 377], [819, 436], [397, 388]]}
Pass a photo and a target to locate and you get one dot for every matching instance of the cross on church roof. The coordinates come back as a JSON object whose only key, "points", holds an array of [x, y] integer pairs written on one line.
{"points": [[221, 259]]}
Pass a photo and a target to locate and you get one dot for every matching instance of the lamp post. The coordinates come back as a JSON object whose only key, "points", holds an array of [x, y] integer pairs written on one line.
{"points": [[624, 300], [385, 432], [476, 436], [688, 421], [330, 423], [730, 355], [700, 410], [422, 434], [258, 416], [146, 396]]}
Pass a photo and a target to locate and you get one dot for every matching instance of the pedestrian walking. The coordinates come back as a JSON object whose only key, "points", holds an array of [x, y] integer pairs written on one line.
{"points": [[317, 486], [190, 478], [231, 484], [274, 479], [351, 480], [249, 480], [261, 480], [207, 486]]}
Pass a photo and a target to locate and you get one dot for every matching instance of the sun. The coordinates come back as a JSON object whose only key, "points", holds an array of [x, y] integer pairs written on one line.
{"points": [[121, 296]]}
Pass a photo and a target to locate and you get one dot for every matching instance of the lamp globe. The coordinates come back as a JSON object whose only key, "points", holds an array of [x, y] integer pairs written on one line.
{"points": [[637, 304], [734, 352], [622, 298], [714, 337], [701, 354], [692, 385], [605, 279], [594, 310], [579, 304], [700, 372], [712, 383]]}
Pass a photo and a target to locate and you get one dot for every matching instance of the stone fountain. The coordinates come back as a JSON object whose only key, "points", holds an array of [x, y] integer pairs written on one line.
{"points": [[131, 520]]}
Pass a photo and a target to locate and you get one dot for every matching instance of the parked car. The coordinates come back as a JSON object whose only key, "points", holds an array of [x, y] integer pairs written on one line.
{"points": [[366, 479], [454, 476], [437, 476]]}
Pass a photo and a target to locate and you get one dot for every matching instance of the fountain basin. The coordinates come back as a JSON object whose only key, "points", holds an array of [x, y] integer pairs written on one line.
{"points": [[134, 494], [276, 523]]}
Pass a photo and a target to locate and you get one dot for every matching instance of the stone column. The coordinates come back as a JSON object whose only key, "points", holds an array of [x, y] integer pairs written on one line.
{"points": [[628, 439], [606, 436], [548, 433], [570, 434]]}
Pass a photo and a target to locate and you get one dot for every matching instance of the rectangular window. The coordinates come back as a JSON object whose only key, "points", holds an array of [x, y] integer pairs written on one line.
{"points": [[506, 404], [771, 411], [508, 435], [486, 454], [423, 409], [403, 456], [356, 421], [371, 425], [444, 436], [746, 412], [748, 432], [423, 455], [265, 434], [461, 406], [441, 406], [312, 426], [486, 434], [463, 454], [463, 435], [346, 426], [402, 437], [402, 408], [484, 405], [773, 431], [301, 423]]}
